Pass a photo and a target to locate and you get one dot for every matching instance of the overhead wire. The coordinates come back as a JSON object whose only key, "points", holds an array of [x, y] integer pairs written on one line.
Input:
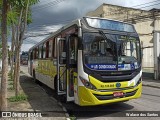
{"points": [[49, 4], [151, 5], [145, 3], [59, 1], [55, 23], [134, 7], [127, 10]]}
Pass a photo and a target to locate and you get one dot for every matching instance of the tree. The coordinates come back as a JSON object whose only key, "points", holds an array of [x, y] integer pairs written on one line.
{"points": [[4, 77], [23, 16], [12, 19], [18, 13]]}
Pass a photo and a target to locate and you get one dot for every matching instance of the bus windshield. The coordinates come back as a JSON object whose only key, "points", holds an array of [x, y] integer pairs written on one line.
{"points": [[109, 24], [114, 52]]}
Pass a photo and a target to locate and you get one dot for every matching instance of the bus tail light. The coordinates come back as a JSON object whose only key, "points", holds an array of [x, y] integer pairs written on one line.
{"points": [[87, 84]]}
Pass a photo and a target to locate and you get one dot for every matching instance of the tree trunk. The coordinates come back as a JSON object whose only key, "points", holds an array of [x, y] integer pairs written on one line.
{"points": [[15, 70], [12, 53], [19, 40], [17, 92], [4, 78]]}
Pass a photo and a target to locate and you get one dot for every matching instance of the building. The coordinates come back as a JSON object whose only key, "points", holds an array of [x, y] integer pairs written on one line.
{"points": [[145, 22]]}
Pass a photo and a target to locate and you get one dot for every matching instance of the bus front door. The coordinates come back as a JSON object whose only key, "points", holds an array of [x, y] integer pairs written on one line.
{"points": [[61, 66], [72, 49]]}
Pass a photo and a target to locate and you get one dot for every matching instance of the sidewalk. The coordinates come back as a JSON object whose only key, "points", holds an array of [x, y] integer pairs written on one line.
{"points": [[150, 82], [38, 100]]}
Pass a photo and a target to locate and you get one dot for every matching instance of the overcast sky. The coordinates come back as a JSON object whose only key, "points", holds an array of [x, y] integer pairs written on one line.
{"points": [[50, 15]]}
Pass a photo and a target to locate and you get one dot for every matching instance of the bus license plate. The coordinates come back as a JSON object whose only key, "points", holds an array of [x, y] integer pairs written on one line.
{"points": [[118, 94]]}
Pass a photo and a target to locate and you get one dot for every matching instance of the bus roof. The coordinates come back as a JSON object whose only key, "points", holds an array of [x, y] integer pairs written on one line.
{"points": [[77, 21]]}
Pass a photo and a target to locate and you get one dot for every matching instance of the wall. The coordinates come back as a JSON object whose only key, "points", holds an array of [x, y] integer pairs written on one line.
{"points": [[144, 27]]}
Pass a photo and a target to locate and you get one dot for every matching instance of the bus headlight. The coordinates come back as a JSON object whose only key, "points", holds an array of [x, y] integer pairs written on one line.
{"points": [[87, 84]]}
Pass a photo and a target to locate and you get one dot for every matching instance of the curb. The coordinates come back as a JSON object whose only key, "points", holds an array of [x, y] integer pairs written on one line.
{"points": [[153, 86], [64, 109], [59, 103]]}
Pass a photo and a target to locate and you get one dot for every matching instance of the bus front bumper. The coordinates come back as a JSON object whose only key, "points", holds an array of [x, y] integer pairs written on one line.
{"points": [[88, 97]]}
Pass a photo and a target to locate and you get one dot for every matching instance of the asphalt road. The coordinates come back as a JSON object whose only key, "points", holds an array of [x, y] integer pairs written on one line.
{"points": [[149, 102]]}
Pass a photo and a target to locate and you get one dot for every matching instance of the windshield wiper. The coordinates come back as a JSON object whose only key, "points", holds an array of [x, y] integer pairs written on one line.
{"points": [[108, 41]]}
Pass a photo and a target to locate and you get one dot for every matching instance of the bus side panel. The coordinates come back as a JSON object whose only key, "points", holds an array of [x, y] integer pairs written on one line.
{"points": [[45, 72]]}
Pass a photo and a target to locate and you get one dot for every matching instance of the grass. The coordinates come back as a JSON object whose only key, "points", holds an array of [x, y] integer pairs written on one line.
{"points": [[11, 83], [72, 117], [9, 79], [9, 74], [10, 88], [22, 72], [20, 97]]}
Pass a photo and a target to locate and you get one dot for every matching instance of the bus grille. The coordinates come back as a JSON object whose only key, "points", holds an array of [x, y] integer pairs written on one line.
{"points": [[109, 97]]}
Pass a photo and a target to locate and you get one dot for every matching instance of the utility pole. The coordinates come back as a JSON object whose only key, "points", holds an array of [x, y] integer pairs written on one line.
{"points": [[156, 44]]}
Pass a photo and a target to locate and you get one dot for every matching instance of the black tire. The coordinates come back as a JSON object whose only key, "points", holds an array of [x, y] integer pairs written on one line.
{"points": [[55, 84], [34, 77]]}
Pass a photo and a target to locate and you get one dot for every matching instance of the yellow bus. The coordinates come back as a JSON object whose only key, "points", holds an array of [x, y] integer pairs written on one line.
{"points": [[90, 61]]}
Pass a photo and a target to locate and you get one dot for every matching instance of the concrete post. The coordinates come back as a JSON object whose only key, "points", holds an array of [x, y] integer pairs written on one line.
{"points": [[156, 48], [156, 44]]}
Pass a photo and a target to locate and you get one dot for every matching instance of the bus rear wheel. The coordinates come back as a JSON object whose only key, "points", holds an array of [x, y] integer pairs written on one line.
{"points": [[55, 84], [34, 77]]}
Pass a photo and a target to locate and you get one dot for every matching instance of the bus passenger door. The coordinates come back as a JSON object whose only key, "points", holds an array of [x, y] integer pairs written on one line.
{"points": [[72, 50], [61, 66]]}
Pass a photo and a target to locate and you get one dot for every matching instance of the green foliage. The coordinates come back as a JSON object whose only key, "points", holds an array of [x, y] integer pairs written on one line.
{"points": [[72, 117], [22, 72], [9, 73], [11, 83], [9, 79], [10, 76], [22, 3], [21, 97], [10, 88], [29, 20], [0, 4], [15, 8], [11, 17]]}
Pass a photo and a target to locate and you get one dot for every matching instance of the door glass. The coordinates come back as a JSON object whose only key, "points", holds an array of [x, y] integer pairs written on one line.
{"points": [[62, 78], [73, 50], [62, 52], [61, 65]]}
